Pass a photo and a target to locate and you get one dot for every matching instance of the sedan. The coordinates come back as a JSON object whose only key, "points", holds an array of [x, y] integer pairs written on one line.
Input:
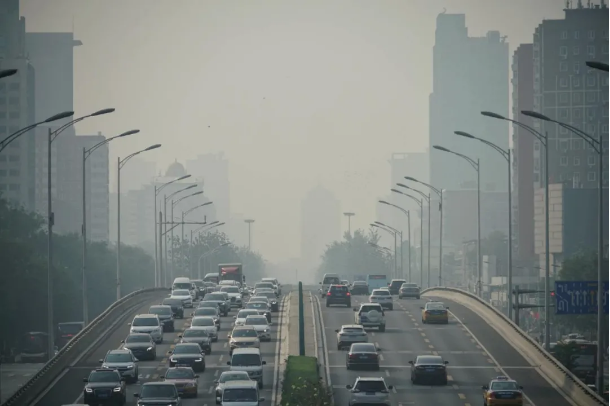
{"points": [[261, 307], [197, 336], [261, 325], [273, 302], [383, 297], [350, 334], [141, 345], [240, 319], [429, 368], [188, 355], [183, 295], [205, 323], [212, 312], [185, 380], [362, 355]]}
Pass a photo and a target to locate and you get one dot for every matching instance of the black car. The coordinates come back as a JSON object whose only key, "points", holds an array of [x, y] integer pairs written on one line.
{"points": [[157, 393], [199, 287], [176, 305], [273, 302], [141, 345], [262, 307], [362, 355], [210, 312], [220, 299], [201, 337], [188, 355], [338, 294], [105, 386], [394, 285], [430, 369], [360, 288], [409, 290], [166, 316]]}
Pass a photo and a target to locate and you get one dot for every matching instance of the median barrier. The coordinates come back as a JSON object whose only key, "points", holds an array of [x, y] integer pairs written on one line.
{"points": [[80, 343], [302, 383], [548, 365]]}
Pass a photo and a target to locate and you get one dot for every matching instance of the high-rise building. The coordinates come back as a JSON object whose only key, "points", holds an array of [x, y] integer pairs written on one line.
{"points": [[470, 75], [17, 109], [214, 170], [523, 176], [320, 225]]}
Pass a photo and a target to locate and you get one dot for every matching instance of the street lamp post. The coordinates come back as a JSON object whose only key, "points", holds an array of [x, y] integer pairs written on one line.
{"points": [[206, 254], [12, 137], [477, 167], [174, 203], [395, 234], [120, 164], [86, 154], [506, 154], [396, 231], [349, 221], [249, 222], [185, 213]]}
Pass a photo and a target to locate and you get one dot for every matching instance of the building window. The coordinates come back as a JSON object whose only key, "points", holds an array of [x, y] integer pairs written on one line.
{"points": [[605, 128], [13, 172], [563, 113], [591, 129], [536, 145], [591, 160], [576, 113], [563, 82], [564, 35], [563, 51], [591, 176], [576, 161], [14, 87], [563, 161], [13, 101], [591, 114], [563, 130], [605, 81], [14, 144], [576, 67], [563, 66], [562, 177], [576, 50], [576, 176], [14, 187], [591, 50], [590, 81], [605, 49], [591, 34], [14, 115], [591, 97], [576, 34], [576, 81], [13, 158], [563, 97]]}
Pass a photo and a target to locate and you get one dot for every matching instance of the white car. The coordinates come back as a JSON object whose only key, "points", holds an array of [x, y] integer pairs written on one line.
{"points": [[228, 376], [206, 323], [383, 297], [184, 295], [147, 324], [261, 325], [240, 319], [369, 391], [234, 295]]}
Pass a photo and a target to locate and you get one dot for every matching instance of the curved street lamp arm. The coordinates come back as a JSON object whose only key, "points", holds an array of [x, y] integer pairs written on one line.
{"points": [[418, 201], [186, 197], [422, 194], [212, 225], [180, 191], [383, 228], [12, 137], [468, 159], [541, 137], [502, 152], [435, 190], [61, 129], [196, 207], [389, 227], [589, 139], [170, 182]]}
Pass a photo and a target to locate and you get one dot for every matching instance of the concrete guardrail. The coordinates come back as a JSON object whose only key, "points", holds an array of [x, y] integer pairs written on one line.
{"points": [[554, 370], [79, 343]]}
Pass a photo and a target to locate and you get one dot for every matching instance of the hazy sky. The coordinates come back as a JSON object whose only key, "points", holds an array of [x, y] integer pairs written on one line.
{"points": [[294, 92]]}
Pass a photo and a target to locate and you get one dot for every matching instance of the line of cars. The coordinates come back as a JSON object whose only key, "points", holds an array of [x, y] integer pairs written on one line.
{"points": [[107, 384]]}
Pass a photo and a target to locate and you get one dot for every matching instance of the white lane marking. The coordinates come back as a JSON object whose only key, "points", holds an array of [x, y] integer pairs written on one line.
{"points": [[216, 373], [210, 390], [326, 356], [387, 373], [220, 359], [381, 357], [284, 310], [315, 334]]}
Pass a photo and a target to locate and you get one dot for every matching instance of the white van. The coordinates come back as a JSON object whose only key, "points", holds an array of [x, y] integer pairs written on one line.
{"points": [[329, 279], [183, 282], [250, 361], [242, 393], [211, 277]]}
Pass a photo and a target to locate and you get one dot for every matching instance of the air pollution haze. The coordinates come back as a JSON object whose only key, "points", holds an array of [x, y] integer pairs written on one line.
{"points": [[296, 94]]}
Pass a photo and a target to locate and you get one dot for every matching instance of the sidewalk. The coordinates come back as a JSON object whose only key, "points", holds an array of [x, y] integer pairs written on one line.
{"points": [[293, 325]]}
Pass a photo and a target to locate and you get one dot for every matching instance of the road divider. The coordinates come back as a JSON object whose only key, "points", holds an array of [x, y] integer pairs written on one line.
{"points": [[553, 371], [302, 383], [80, 344]]}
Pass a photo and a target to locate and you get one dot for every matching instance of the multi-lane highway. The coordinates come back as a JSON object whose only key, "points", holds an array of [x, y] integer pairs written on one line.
{"points": [[473, 359], [13, 376], [68, 387]]}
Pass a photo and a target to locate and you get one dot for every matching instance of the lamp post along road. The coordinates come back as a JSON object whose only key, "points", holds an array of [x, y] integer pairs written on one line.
{"points": [[349, 221], [394, 232], [174, 203], [249, 222]]}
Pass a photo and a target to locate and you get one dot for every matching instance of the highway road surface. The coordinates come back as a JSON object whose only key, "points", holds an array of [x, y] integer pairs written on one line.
{"points": [[475, 352], [13, 376]]}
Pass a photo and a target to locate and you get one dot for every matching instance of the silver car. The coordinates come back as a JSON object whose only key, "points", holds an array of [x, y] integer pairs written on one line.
{"points": [[369, 391], [123, 361], [350, 334], [148, 324], [261, 325], [228, 376], [206, 323]]}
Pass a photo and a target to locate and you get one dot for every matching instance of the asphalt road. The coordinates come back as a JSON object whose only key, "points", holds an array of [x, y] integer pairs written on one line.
{"points": [[13, 376], [474, 351], [69, 387]]}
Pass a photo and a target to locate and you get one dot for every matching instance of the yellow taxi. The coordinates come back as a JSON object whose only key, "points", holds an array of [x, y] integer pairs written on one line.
{"points": [[502, 391], [435, 312], [185, 380]]}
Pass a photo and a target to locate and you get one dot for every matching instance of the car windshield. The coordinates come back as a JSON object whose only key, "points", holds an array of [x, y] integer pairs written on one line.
{"points": [[331, 280], [256, 321], [162, 311], [182, 285], [370, 386], [239, 395], [435, 306], [257, 305], [397, 283], [265, 285], [366, 309], [202, 321], [244, 332], [233, 376], [70, 328], [145, 322], [206, 311], [181, 292], [193, 332], [429, 361], [259, 299], [268, 295], [199, 284], [245, 360], [122, 357], [504, 385], [338, 289], [137, 338], [208, 304], [187, 349], [230, 289], [214, 296], [353, 330], [381, 292], [180, 373], [409, 285], [172, 302], [103, 376], [359, 283], [363, 348], [245, 313], [158, 391]]}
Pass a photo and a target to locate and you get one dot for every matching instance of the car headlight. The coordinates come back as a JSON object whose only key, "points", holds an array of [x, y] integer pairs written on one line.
{"points": [[266, 330], [105, 366], [199, 360], [88, 390], [172, 360], [149, 349], [117, 389], [232, 342], [273, 302], [129, 366], [190, 385]]}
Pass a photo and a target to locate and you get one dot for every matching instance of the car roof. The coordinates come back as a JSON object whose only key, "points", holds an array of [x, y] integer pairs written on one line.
{"points": [[146, 315], [369, 305], [367, 345], [174, 368], [105, 370], [352, 326], [429, 359], [159, 383], [370, 378], [138, 335], [244, 327], [119, 352], [398, 280], [187, 344], [246, 351], [160, 306], [241, 384], [235, 372]]}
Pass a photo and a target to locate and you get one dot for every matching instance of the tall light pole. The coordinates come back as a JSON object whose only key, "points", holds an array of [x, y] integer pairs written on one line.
{"points": [[207, 254], [249, 222], [395, 234], [12, 137], [598, 146], [380, 248], [4, 73], [120, 164], [399, 232], [185, 213], [349, 221], [506, 154], [477, 167], [439, 192], [86, 154], [174, 203]]}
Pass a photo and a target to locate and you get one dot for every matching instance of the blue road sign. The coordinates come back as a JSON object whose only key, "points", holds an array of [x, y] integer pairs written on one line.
{"points": [[579, 297]]}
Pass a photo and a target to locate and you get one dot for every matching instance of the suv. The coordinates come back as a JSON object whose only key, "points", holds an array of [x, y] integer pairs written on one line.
{"points": [[360, 288], [148, 324], [370, 315], [122, 361], [395, 284], [105, 386], [158, 393], [369, 391], [166, 316], [338, 294]]}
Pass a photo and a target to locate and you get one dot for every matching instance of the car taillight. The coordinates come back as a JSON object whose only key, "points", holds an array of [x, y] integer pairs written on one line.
{"points": [[427, 311], [347, 293], [328, 294], [352, 355], [491, 395], [519, 394]]}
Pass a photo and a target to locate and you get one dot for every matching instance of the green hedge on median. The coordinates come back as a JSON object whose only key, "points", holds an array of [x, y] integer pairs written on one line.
{"points": [[302, 385]]}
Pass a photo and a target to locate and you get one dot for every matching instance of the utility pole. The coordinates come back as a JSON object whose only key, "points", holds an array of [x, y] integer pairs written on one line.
{"points": [[249, 222], [349, 221]]}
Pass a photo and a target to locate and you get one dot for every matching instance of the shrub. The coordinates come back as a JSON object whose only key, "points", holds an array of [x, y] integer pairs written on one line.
{"points": [[302, 385]]}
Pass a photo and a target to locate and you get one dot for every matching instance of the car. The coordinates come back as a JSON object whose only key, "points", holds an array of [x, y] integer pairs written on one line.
{"points": [[409, 290], [370, 315], [220, 299], [329, 279], [261, 307], [276, 284], [188, 355], [502, 391], [362, 355], [242, 393], [338, 294], [141, 345], [198, 336], [166, 316], [207, 324], [383, 297], [434, 312], [344, 282], [359, 288], [369, 391], [255, 298], [184, 295], [243, 337], [224, 378], [122, 361], [158, 393], [261, 325], [240, 318], [147, 324], [273, 302], [263, 285], [394, 285], [212, 304], [213, 312], [176, 305], [199, 287], [185, 380], [234, 295], [350, 334], [105, 386], [249, 360], [429, 369]]}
